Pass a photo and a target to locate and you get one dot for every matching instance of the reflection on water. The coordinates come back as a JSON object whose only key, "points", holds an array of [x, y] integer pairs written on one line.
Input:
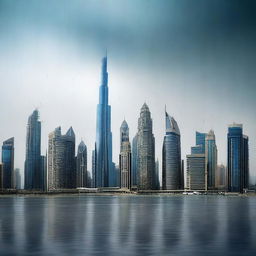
{"points": [[128, 225]]}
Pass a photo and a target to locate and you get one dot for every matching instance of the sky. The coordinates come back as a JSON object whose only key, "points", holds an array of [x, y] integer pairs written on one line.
{"points": [[197, 57]]}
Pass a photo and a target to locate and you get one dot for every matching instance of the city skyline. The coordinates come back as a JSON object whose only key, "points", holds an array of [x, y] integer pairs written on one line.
{"points": [[206, 85]]}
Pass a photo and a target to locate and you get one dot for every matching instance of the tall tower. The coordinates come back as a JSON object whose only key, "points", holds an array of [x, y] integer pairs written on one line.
{"points": [[104, 167], [210, 159], [33, 175], [146, 150], [61, 160], [81, 165], [125, 157], [171, 155], [134, 160], [8, 163], [238, 159]]}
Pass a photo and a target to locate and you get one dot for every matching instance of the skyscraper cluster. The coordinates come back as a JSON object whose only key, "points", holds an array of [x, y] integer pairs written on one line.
{"points": [[63, 168]]}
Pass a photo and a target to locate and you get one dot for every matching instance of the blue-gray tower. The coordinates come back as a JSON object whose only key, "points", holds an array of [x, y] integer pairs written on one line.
{"points": [[104, 175], [238, 159], [172, 174]]}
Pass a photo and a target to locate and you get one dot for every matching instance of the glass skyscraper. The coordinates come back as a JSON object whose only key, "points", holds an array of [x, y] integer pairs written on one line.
{"points": [[238, 159], [171, 155], [8, 163], [210, 159], [33, 171], [200, 144], [81, 166], [105, 172]]}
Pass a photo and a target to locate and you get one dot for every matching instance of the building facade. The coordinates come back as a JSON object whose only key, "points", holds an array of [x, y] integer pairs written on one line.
{"points": [[134, 160], [238, 159], [104, 171], [171, 154], [196, 172], [146, 151], [61, 160], [81, 166], [8, 163], [210, 159], [33, 171], [220, 182], [17, 178], [125, 157], [1, 176]]}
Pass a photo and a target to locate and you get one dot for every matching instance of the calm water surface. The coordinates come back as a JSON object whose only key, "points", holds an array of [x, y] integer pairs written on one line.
{"points": [[128, 225]]}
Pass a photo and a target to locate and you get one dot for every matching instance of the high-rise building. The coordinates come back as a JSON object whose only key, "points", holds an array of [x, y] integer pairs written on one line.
{"points": [[220, 177], [182, 174], [157, 175], [238, 159], [8, 163], [134, 160], [125, 157], [210, 159], [200, 144], [81, 166], [1, 176], [93, 184], [146, 150], [61, 160], [171, 155], [105, 173], [43, 172], [33, 172], [17, 178], [196, 172]]}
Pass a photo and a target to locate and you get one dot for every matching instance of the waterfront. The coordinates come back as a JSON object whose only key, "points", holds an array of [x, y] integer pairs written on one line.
{"points": [[127, 225]]}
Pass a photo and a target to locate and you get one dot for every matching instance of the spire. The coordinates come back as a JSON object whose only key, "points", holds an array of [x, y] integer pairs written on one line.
{"points": [[171, 125], [104, 71], [144, 107]]}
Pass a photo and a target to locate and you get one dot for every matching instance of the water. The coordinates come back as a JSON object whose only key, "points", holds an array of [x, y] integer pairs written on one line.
{"points": [[127, 225]]}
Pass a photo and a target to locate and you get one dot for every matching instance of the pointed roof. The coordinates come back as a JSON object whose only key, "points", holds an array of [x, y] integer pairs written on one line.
{"points": [[144, 107], [81, 147], [171, 125], [9, 141], [124, 125], [70, 132]]}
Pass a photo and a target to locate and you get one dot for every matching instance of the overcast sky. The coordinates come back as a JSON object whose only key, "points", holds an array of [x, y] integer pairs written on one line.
{"points": [[197, 57]]}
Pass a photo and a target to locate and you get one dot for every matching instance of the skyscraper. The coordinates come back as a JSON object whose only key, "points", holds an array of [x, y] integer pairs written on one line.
{"points": [[17, 178], [81, 166], [220, 177], [157, 174], [93, 184], [105, 173], [210, 159], [171, 155], [200, 144], [8, 163], [134, 160], [238, 159], [61, 160], [33, 171], [125, 157], [146, 150]]}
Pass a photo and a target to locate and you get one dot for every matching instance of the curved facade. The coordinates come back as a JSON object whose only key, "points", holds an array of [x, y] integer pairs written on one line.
{"points": [[146, 151], [171, 155]]}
